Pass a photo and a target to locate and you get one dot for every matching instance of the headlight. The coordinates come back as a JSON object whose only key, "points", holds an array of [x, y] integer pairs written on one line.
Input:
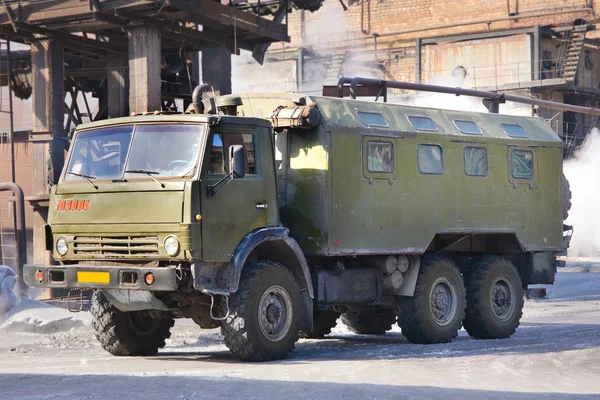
{"points": [[61, 246], [171, 246]]}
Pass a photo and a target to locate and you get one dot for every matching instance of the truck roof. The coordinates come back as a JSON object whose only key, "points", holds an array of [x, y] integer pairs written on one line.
{"points": [[380, 118], [185, 118]]}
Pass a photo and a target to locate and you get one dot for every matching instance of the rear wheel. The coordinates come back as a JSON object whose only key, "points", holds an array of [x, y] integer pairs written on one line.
{"points": [[494, 299], [566, 197], [133, 333], [323, 322], [264, 319], [435, 313], [372, 322]]}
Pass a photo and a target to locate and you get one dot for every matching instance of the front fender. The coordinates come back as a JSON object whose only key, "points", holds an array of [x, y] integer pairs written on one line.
{"points": [[283, 249]]}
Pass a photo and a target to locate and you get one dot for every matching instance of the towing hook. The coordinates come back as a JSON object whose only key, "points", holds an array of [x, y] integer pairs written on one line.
{"points": [[212, 305]]}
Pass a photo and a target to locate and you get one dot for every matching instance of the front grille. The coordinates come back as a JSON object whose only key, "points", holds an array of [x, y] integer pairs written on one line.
{"points": [[116, 246]]}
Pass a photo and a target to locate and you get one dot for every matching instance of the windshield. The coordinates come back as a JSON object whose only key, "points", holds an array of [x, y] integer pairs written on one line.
{"points": [[167, 150]]}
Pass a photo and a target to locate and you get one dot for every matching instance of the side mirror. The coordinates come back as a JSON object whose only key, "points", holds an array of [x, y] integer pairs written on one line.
{"points": [[237, 160]]}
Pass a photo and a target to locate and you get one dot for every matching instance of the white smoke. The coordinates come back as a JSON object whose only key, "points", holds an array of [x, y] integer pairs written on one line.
{"points": [[582, 171]]}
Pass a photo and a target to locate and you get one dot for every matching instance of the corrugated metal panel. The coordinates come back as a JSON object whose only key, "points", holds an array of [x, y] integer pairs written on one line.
{"points": [[488, 62]]}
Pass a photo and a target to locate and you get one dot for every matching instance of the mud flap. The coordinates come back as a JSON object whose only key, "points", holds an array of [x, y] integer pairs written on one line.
{"points": [[133, 300]]}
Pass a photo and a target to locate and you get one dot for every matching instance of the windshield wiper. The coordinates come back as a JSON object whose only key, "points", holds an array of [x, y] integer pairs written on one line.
{"points": [[88, 178], [145, 171]]}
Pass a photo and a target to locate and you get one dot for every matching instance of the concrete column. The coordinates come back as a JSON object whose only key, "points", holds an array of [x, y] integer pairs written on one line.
{"points": [[116, 78], [47, 71], [144, 69], [216, 68]]}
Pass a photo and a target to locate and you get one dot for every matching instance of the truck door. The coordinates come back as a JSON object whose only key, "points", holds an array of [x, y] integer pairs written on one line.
{"points": [[240, 206]]}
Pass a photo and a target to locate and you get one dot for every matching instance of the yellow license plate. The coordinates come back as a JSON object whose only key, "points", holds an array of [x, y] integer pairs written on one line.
{"points": [[93, 277]]}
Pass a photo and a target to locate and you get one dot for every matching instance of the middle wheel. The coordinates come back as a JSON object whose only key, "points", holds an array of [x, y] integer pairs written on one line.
{"points": [[435, 312]]}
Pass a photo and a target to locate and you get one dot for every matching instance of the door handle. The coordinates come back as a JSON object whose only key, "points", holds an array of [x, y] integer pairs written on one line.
{"points": [[261, 205]]}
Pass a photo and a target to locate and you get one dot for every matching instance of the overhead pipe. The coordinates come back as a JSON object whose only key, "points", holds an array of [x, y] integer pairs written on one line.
{"points": [[491, 99]]}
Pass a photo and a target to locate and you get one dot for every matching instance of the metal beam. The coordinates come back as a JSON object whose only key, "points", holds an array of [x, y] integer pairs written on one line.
{"points": [[231, 16], [73, 41], [176, 28], [47, 11]]}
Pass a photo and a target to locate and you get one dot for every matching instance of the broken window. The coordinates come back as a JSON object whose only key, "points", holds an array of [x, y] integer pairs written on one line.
{"points": [[430, 159], [380, 156], [522, 164], [476, 161]]}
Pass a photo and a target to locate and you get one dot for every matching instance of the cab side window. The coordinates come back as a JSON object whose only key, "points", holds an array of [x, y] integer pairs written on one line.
{"points": [[217, 158], [219, 162]]}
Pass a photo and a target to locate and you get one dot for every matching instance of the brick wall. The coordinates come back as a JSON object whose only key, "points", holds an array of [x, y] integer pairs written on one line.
{"points": [[332, 27]]}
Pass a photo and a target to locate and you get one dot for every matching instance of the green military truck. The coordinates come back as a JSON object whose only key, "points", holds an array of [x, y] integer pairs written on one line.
{"points": [[275, 214]]}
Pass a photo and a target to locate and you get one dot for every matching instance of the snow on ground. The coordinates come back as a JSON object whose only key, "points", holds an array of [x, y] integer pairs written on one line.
{"points": [[555, 354]]}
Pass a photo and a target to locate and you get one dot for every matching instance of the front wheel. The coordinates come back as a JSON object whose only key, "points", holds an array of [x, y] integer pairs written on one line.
{"points": [[264, 318], [435, 312], [133, 333], [494, 299]]}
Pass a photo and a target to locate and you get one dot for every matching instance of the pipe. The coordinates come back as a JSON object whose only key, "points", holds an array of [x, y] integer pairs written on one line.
{"points": [[11, 129], [492, 97], [197, 98], [20, 235]]}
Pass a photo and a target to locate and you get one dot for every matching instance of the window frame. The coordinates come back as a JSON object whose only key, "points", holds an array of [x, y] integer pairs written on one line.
{"points": [[513, 136], [365, 158], [533, 166], [359, 112], [487, 159], [442, 159], [467, 133], [227, 130], [437, 127]]}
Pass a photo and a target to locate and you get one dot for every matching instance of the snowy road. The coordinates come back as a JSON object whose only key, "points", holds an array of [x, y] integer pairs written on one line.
{"points": [[554, 354]]}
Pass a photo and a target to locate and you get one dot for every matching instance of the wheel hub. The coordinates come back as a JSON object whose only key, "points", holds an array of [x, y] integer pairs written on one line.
{"points": [[442, 301], [501, 299], [275, 313], [142, 324]]}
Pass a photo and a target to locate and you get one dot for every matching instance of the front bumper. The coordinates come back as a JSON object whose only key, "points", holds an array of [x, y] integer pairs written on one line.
{"points": [[99, 277]]}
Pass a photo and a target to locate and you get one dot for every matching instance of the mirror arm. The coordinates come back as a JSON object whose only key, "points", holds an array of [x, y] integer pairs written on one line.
{"points": [[217, 187]]}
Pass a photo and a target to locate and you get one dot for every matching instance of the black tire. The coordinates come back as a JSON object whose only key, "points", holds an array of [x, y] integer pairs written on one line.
{"points": [[272, 288], [566, 197], [494, 299], [128, 333], [425, 321], [323, 322], [372, 322]]}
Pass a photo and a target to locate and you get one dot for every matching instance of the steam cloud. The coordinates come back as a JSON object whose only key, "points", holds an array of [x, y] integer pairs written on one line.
{"points": [[581, 170]]}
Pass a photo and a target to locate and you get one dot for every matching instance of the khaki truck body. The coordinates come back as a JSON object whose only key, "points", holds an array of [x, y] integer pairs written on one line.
{"points": [[274, 221]]}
